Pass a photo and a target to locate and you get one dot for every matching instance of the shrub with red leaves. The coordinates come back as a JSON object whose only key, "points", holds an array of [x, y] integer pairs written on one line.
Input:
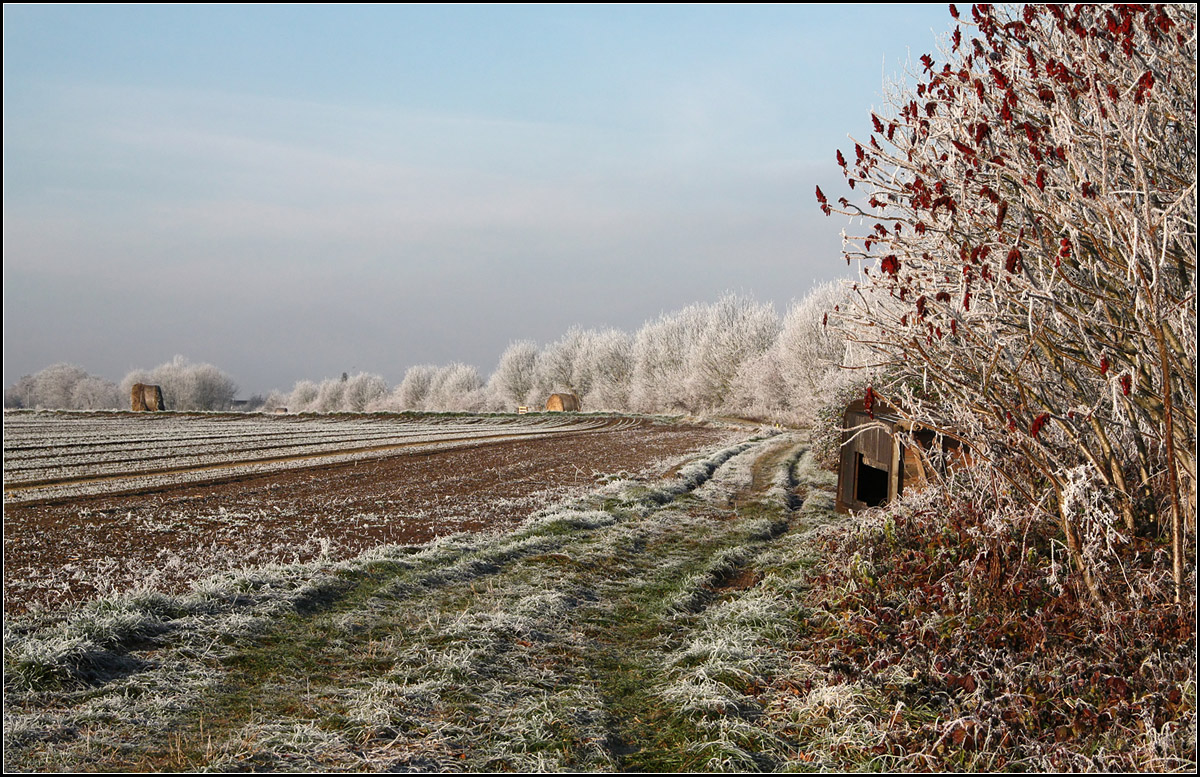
{"points": [[1062, 139], [984, 659]]}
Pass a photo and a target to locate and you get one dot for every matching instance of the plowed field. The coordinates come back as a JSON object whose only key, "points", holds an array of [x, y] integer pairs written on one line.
{"points": [[102, 503]]}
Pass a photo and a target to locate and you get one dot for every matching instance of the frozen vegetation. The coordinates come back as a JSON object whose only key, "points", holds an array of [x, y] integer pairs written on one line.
{"points": [[734, 357], [1026, 233], [723, 619]]}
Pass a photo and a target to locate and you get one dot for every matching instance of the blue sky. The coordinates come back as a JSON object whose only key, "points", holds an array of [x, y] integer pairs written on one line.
{"points": [[292, 192]]}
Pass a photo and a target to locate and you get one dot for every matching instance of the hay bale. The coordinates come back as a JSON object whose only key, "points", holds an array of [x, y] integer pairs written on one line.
{"points": [[137, 397], [563, 402], [144, 396]]}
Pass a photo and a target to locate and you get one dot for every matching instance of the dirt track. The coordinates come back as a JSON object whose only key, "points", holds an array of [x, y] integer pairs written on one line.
{"points": [[63, 552]]}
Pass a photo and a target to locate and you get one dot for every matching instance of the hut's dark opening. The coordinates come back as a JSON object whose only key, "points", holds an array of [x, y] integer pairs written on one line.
{"points": [[870, 483]]}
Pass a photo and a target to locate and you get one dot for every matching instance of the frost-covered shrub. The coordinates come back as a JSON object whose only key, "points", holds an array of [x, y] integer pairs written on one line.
{"points": [[828, 414], [1029, 255]]}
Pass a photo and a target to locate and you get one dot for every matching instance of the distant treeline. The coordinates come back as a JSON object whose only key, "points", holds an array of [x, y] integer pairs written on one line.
{"points": [[185, 386], [734, 356]]}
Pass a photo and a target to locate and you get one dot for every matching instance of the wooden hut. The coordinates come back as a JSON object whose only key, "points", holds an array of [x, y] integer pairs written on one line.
{"points": [[875, 466], [563, 402], [144, 396]]}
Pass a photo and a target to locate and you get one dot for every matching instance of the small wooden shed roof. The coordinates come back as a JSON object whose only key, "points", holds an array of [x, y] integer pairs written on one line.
{"points": [[875, 466]]}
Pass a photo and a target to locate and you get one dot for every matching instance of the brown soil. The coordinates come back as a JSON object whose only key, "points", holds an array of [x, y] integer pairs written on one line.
{"points": [[66, 552]]}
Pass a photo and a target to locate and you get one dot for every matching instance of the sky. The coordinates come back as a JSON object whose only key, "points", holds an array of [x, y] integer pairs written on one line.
{"points": [[294, 192]]}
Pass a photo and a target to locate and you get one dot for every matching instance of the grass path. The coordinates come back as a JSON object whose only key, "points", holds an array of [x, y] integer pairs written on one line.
{"points": [[637, 629]]}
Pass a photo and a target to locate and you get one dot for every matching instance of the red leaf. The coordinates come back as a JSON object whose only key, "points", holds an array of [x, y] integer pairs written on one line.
{"points": [[1013, 262]]}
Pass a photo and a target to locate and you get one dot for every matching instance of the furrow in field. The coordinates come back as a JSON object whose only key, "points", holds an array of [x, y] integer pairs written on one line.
{"points": [[114, 478]]}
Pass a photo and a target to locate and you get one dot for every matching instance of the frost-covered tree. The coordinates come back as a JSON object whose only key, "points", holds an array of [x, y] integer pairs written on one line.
{"points": [[758, 390], [736, 330], [602, 369], [414, 387], [63, 387], [554, 370], [809, 353], [187, 386], [364, 391], [54, 386], [456, 387], [511, 384], [661, 352], [1030, 244], [93, 393], [303, 397], [331, 394], [20, 394], [347, 394]]}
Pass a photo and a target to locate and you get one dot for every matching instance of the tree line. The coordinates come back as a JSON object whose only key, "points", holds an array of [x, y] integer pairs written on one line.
{"points": [[734, 356], [185, 385]]}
